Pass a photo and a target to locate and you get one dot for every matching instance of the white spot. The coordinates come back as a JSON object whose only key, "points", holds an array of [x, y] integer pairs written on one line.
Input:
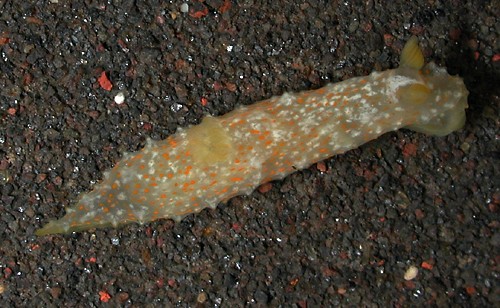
{"points": [[393, 84], [140, 216], [355, 133], [121, 196], [356, 96], [87, 216]]}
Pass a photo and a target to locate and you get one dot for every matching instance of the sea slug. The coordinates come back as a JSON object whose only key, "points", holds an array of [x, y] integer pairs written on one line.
{"points": [[203, 165]]}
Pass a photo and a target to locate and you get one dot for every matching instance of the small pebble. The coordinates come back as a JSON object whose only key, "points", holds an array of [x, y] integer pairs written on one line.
{"points": [[184, 8], [202, 297], [4, 177], [411, 273], [119, 98]]}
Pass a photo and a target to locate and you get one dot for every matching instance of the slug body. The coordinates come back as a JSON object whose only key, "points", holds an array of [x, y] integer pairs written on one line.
{"points": [[200, 166]]}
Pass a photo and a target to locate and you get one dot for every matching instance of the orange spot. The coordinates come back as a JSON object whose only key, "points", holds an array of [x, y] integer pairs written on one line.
{"points": [[170, 175], [166, 156], [320, 91], [114, 186], [254, 131], [163, 196], [188, 169], [237, 179], [136, 157], [172, 143]]}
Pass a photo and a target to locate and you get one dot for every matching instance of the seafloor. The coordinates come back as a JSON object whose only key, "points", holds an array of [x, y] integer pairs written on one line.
{"points": [[342, 232]]}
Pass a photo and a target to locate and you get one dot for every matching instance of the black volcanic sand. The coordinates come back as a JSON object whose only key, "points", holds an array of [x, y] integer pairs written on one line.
{"points": [[342, 232]]}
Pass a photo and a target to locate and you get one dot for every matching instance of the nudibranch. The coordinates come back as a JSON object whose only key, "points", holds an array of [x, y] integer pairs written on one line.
{"points": [[225, 156]]}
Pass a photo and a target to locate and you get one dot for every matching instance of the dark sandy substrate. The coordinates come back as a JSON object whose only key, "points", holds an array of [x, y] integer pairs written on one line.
{"points": [[343, 232]]}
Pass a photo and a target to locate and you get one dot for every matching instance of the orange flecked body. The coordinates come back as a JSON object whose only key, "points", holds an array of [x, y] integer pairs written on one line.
{"points": [[201, 166]]}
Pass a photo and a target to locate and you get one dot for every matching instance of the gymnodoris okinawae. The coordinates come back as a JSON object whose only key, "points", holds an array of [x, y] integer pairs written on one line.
{"points": [[224, 156]]}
